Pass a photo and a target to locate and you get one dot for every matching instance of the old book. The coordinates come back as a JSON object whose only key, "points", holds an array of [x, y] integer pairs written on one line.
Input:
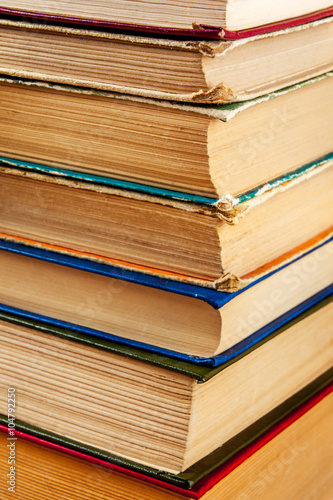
{"points": [[174, 17], [194, 71], [159, 314], [179, 149], [217, 245], [167, 415], [284, 452]]}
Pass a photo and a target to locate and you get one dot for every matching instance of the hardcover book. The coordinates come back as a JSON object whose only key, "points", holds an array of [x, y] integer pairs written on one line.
{"points": [[161, 413], [182, 150], [289, 446], [211, 244], [159, 314], [178, 70]]}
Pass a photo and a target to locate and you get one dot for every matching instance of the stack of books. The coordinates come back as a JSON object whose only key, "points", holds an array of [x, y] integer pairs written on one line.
{"points": [[166, 250]]}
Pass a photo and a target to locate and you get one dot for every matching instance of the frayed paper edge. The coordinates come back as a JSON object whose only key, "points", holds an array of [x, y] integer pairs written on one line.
{"points": [[231, 208], [220, 113]]}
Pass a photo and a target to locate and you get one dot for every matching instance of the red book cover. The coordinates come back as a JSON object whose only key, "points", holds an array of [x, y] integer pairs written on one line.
{"points": [[198, 31]]}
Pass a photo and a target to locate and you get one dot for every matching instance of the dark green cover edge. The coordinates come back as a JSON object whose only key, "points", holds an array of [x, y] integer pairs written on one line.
{"points": [[200, 373], [220, 456]]}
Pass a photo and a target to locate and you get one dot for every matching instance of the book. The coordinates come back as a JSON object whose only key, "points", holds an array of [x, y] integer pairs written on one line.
{"points": [[168, 415], [291, 441], [178, 70], [159, 314], [83, 372], [218, 242], [182, 150], [175, 18]]}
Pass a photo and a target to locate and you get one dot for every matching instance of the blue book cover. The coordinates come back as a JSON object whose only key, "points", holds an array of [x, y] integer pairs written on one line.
{"points": [[290, 274]]}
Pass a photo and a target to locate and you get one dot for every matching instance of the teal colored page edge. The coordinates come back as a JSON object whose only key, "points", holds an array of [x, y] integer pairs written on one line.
{"points": [[161, 192], [278, 181], [107, 181]]}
